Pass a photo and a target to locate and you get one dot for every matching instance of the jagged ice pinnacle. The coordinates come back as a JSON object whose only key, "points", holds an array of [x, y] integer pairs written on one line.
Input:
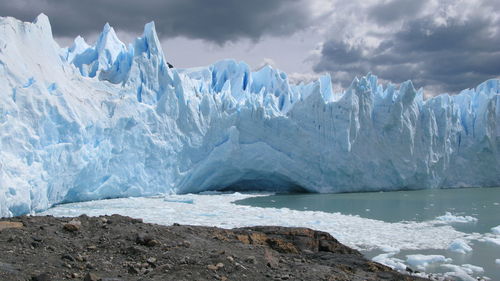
{"points": [[109, 120]]}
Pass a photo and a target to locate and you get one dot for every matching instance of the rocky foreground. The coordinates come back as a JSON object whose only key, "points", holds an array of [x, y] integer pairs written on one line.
{"points": [[121, 248]]}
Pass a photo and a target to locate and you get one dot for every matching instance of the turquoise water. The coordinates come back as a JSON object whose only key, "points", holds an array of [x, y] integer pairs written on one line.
{"points": [[422, 205]]}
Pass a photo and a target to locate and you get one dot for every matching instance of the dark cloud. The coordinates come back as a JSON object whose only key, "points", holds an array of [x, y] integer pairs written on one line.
{"points": [[447, 57], [394, 10], [215, 20], [441, 45]]}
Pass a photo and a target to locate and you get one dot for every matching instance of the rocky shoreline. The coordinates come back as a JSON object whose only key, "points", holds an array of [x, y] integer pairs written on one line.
{"points": [[112, 248]]}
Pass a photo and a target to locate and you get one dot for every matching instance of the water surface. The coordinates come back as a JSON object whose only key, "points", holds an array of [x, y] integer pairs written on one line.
{"points": [[482, 204], [396, 206]]}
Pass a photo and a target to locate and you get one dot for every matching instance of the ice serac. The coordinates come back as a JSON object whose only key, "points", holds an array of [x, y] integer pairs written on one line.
{"points": [[109, 120]]}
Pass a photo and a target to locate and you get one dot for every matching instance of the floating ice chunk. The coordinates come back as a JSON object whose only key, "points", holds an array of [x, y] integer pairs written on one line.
{"points": [[421, 262], [464, 272], [496, 230], [389, 260], [179, 199], [459, 246], [459, 276], [449, 218], [187, 201], [389, 249], [495, 241], [473, 269], [354, 231]]}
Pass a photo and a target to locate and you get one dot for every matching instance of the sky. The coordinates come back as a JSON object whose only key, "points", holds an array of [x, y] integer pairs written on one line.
{"points": [[441, 45]]}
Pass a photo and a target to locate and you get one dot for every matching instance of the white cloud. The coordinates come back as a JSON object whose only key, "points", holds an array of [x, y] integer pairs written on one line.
{"points": [[297, 78], [265, 62]]}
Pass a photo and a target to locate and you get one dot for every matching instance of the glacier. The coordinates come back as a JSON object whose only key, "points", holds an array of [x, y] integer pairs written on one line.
{"points": [[113, 120]]}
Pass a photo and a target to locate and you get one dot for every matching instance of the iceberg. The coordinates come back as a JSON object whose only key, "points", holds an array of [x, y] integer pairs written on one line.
{"points": [[113, 120], [460, 246], [465, 272], [389, 260], [496, 230], [421, 262], [449, 218]]}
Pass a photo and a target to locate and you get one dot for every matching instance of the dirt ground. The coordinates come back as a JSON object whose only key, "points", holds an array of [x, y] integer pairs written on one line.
{"points": [[121, 248]]}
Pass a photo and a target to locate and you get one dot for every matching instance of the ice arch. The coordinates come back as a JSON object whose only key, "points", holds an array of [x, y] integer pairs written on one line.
{"points": [[254, 180]]}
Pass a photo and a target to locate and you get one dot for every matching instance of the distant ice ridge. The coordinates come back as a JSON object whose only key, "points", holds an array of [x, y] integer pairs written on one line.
{"points": [[110, 120]]}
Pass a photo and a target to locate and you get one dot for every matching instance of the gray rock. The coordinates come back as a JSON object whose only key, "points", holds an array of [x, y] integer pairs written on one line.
{"points": [[7, 267], [73, 226], [42, 277], [68, 257], [90, 277]]}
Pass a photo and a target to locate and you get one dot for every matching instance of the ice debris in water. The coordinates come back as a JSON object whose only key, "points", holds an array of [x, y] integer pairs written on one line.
{"points": [[496, 230], [389, 260], [465, 272], [421, 262], [218, 209], [460, 246], [450, 218], [493, 240]]}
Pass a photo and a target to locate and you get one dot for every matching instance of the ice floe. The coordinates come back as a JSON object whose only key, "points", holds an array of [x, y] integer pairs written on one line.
{"points": [[421, 262], [460, 246], [450, 218]]}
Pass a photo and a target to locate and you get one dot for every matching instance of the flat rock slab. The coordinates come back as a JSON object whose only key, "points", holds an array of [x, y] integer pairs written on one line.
{"points": [[6, 267], [122, 248], [10, 224]]}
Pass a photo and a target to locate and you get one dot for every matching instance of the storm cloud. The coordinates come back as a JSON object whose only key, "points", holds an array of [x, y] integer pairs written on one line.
{"points": [[444, 49], [442, 45], [216, 21]]}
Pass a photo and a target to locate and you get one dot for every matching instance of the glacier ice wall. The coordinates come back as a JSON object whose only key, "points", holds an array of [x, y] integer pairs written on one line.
{"points": [[109, 120]]}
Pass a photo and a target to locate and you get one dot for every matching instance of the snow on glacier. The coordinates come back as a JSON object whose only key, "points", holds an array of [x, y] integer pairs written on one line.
{"points": [[110, 120]]}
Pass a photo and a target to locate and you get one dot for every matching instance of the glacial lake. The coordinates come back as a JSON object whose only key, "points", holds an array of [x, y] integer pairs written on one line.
{"points": [[420, 229], [482, 204]]}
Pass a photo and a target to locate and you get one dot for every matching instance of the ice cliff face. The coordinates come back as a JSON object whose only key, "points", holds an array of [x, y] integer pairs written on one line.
{"points": [[109, 120]]}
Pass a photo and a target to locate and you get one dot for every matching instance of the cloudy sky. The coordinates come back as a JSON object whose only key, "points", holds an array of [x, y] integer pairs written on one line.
{"points": [[442, 45]]}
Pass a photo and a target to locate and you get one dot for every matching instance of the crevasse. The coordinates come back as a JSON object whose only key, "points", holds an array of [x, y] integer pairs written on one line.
{"points": [[110, 120]]}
